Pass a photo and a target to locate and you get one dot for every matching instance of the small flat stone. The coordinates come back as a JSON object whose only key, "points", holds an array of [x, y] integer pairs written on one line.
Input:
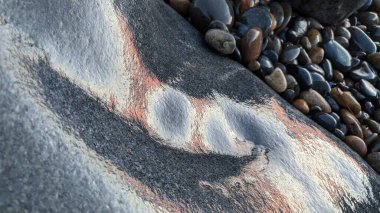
{"points": [[342, 31], [289, 95], [266, 65], [289, 54], [305, 43], [360, 40], [313, 98], [346, 100], [301, 105], [357, 144], [320, 84], [277, 80], [297, 29], [302, 76], [343, 41], [221, 41], [368, 18], [314, 37], [278, 12], [258, 17], [352, 123], [303, 58], [368, 89], [333, 104], [316, 55], [288, 12], [251, 44], [338, 55], [325, 120]]}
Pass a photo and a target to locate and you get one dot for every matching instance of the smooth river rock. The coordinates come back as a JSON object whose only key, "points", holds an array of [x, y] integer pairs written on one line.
{"points": [[221, 41], [356, 144], [338, 55], [251, 44], [276, 80], [313, 98]]}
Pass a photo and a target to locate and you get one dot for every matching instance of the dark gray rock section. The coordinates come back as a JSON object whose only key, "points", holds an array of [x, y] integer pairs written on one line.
{"points": [[328, 11]]}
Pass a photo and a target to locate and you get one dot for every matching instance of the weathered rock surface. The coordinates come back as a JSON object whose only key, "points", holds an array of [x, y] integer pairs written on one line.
{"points": [[119, 106]]}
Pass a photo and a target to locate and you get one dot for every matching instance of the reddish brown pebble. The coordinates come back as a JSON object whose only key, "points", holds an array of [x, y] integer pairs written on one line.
{"points": [[251, 44], [302, 106], [356, 144]]}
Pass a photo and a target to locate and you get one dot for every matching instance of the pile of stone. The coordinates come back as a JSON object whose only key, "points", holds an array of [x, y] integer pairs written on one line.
{"points": [[323, 60]]}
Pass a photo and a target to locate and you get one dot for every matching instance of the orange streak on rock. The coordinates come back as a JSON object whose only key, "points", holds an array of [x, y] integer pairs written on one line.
{"points": [[196, 139], [141, 81]]}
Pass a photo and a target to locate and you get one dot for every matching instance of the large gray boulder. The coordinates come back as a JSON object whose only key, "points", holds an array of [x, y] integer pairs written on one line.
{"points": [[111, 106], [328, 11]]}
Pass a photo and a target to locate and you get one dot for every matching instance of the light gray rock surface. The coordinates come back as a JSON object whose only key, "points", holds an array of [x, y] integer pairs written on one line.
{"points": [[119, 106]]}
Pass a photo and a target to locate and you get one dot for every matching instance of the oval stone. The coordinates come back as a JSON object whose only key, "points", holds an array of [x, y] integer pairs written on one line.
{"points": [[278, 12], [346, 100], [289, 54], [221, 41], [251, 44], [266, 65], [368, 89], [368, 18], [357, 144], [338, 55], [325, 120], [316, 55], [289, 95], [320, 84], [351, 122], [258, 17], [303, 57], [202, 12], [360, 40], [342, 31], [343, 41], [297, 29], [314, 37], [313, 98], [302, 76], [287, 16], [291, 81], [301, 105], [277, 80], [333, 104]]}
